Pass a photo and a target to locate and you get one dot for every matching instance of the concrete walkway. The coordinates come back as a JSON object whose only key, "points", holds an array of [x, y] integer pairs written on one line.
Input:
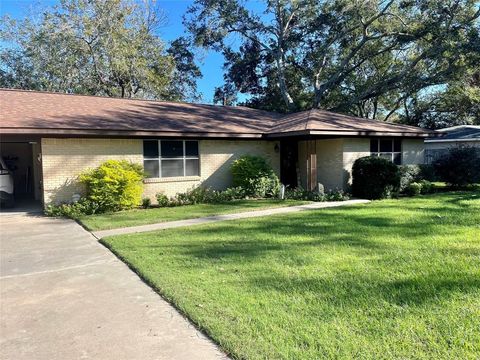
{"points": [[211, 219], [64, 296]]}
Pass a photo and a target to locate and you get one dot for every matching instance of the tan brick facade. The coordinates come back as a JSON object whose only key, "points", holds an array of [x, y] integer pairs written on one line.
{"points": [[335, 158], [64, 159], [216, 157]]}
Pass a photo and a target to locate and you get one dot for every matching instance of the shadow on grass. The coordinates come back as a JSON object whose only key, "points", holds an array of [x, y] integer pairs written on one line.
{"points": [[359, 290], [353, 227]]}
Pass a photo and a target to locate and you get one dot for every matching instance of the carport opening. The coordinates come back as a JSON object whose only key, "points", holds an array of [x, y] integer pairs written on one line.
{"points": [[23, 160]]}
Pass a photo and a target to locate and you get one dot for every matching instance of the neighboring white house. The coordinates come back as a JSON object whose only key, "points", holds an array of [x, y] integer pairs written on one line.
{"points": [[455, 136]]}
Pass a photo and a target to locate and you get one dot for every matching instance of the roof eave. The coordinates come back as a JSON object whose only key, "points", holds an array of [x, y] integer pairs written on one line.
{"points": [[129, 133], [351, 133]]}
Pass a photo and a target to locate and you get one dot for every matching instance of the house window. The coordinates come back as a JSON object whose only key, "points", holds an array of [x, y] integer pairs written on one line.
{"points": [[170, 158], [390, 149]]}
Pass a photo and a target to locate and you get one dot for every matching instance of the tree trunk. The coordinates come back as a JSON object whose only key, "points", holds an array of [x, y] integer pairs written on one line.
{"points": [[282, 82]]}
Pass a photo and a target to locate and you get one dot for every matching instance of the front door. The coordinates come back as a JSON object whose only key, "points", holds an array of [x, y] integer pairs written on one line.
{"points": [[288, 162]]}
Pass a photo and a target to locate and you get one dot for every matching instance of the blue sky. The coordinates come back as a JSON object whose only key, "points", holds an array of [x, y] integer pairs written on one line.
{"points": [[211, 63]]}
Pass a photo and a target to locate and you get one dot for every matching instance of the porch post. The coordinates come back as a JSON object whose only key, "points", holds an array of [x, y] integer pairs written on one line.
{"points": [[311, 165]]}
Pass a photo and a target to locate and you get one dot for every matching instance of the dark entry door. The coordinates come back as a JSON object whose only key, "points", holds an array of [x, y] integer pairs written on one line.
{"points": [[288, 162]]}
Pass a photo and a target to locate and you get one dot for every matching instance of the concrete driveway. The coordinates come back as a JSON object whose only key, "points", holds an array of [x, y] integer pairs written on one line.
{"points": [[65, 296]]}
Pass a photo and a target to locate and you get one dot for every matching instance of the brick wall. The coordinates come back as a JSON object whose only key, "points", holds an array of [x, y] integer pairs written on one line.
{"points": [[329, 163], [216, 157], [353, 149], [335, 158], [64, 159]]}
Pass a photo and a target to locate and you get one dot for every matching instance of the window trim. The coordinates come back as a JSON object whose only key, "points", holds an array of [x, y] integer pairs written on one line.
{"points": [[184, 159], [391, 153]]}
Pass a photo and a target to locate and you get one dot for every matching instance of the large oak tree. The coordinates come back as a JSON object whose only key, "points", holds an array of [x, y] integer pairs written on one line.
{"points": [[99, 47], [360, 57]]}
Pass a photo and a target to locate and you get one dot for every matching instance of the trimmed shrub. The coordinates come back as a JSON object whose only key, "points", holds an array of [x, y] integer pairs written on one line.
{"points": [[427, 187], [200, 195], [162, 200], [421, 173], [299, 193], [408, 174], [413, 189], [375, 178], [114, 185], [255, 176], [146, 203], [72, 210], [337, 195], [265, 186], [234, 193], [459, 167]]}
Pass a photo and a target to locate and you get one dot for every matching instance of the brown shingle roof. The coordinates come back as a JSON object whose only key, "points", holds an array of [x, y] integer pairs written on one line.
{"points": [[54, 113], [317, 121]]}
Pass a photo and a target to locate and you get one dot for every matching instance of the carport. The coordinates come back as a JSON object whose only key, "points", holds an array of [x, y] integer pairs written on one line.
{"points": [[22, 155]]}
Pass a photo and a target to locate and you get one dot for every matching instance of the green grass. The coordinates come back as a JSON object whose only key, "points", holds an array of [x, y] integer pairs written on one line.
{"points": [[155, 215], [395, 279]]}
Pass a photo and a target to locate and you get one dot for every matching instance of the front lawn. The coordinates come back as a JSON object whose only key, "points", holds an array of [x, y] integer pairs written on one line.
{"points": [[395, 279], [155, 215]]}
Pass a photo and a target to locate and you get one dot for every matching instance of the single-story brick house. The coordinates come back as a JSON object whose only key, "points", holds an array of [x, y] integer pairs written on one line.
{"points": [[53, 137]]}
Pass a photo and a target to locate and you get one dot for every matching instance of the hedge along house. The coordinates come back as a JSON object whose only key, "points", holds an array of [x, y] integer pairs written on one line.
{"points": [[182, 145]]}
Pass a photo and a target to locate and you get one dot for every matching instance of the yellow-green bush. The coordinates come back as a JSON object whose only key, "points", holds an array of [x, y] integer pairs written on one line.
{"points": [[114, 185]]}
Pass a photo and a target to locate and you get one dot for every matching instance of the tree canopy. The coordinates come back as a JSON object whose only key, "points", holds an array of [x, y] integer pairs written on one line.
{"points": [[366, 58], [100, 47]]}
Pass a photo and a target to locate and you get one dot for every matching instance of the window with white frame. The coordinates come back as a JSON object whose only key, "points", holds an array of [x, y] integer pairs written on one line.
{"points": [[390, 149], [171, 158]]}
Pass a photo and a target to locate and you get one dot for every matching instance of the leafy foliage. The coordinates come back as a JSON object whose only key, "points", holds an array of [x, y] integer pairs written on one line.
{"points": [[256, 176], [375, 178], [162, 200], [459, 167], [408, 175], [364, 58], [73, 210], [417, 188], [457, 104], [414, 188], [300, 193], [97, 47], [420, 175], [427, 187], [114, 185], [201, 195], [146, 202]]}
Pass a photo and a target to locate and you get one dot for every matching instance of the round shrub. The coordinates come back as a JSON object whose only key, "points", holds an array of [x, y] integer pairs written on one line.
{"points": [[162, 200], [256, 176], [459, 167], [114, 185], [146, 203], [413, 189], [427, 187], [408, 174], [374, 178]]}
